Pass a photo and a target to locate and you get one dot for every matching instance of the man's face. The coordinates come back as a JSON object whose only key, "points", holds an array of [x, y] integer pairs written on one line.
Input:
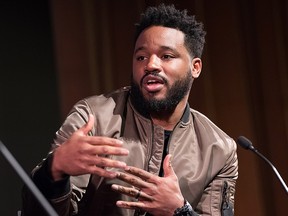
{"points": [[162, 68]]}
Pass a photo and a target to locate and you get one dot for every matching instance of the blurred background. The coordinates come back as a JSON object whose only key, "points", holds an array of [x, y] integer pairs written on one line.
{"points": [[55, 52]]}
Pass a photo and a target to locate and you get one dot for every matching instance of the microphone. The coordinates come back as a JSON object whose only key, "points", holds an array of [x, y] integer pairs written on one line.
{"points": [[27, 180], [247, 144]]}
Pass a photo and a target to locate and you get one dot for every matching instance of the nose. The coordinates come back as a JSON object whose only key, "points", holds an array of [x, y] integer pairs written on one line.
{"points": [[153, 64]]}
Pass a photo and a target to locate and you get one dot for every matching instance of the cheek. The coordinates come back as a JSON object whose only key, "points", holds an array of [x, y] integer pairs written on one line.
{"points": [[138, 70], [137, 74], [176, 74], [177, 69]]}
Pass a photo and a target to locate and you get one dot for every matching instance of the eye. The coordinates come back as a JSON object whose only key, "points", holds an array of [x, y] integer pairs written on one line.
{"points": [[167, 56], [140, 58]]}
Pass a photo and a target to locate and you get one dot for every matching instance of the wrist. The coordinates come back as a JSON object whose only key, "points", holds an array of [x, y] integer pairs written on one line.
{"points": [[55, 172], [185, 210]]}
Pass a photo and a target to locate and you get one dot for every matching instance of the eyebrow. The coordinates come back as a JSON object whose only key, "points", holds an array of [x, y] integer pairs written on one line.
{"points": [[162, 48]]}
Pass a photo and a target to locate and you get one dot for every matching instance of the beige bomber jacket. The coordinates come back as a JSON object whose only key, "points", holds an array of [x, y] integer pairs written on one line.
{"points": [[204, 159]]}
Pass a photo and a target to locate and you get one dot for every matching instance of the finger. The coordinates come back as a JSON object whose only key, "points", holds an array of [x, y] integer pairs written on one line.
{"points": [[101, 172], [132, 192], [167, 166], [101, 140], [105, 162], [130, 205], [132, 180], [104, 150], [144, 175]]}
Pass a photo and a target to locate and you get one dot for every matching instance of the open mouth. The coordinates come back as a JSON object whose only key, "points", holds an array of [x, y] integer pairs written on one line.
{"points": [[153, 83]]}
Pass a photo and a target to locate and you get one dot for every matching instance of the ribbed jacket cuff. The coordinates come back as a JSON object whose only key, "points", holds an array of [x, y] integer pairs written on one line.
{"points": [[50, 189]]}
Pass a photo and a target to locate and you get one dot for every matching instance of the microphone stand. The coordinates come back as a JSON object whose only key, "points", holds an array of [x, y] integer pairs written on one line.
{"points": [[273, 167], [27, 180], [247, 144]]}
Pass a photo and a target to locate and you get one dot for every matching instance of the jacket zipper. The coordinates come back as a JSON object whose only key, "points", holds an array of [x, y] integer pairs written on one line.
{"points": [[149, 156], [225, 196]]}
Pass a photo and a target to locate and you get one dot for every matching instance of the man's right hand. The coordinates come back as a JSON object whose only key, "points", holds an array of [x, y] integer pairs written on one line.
{"points": [[83, 154]]}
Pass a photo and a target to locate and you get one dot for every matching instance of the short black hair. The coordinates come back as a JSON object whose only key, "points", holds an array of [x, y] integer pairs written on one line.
{"points": [[169, 16]]}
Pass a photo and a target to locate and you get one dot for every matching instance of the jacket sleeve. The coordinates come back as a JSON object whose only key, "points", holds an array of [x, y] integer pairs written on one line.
{"points": [[63, 195], [185, 210], [58, 193], [218, 196]]}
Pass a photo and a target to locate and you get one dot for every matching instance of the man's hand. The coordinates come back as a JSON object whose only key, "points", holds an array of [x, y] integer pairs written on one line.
{"points": [[83, 154], [159, 196]]}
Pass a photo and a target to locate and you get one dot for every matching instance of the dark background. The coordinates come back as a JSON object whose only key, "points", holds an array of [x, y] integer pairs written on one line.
{"points": [[29, 110], [54, 53]]}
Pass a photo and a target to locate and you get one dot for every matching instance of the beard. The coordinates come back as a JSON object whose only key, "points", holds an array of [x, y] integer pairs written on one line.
{"points": [[174, 95]]}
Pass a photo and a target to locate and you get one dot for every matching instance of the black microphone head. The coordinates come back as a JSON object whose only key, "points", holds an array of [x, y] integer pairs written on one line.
{"points": [[245, 143]]}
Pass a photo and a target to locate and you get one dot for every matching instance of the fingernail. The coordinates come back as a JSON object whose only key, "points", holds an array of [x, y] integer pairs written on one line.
{"points": [[113, 175], [114, 187], [122, 164], [119, 141], [125, 151]]}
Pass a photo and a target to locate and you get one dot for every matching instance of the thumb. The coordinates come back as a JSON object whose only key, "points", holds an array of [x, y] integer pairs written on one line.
{"points": [[167, 167], [88, 126]]}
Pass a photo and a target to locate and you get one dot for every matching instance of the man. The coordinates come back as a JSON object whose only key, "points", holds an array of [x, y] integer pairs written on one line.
{"points": [[141, 149]]}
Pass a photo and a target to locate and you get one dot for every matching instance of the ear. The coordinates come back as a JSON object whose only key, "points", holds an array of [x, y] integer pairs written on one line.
{"points": [[196, 67]]}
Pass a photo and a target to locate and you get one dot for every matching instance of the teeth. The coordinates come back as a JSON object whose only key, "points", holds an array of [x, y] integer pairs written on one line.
{"points": [[151, 81]]}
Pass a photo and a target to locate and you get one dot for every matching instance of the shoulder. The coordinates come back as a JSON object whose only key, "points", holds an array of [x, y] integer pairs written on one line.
{"points": [[115, 97], [211, 134], [102, 102], [100, 105], [104, 107]]}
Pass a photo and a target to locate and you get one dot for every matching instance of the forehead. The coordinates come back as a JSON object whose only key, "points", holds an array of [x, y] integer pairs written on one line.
{"points": [[159, 36]]}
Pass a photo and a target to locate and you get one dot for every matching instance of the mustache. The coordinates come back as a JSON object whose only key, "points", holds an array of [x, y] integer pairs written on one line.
{"points": [[155, 74]]}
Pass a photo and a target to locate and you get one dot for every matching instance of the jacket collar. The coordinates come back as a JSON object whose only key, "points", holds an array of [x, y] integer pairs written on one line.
{"points": [[184, 119], [186, 114]]}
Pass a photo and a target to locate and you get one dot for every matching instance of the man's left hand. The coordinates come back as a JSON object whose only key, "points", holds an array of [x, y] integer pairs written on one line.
{"points": [[156, 195]]}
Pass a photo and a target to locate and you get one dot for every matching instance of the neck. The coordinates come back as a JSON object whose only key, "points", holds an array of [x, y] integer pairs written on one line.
{"points": [[169, 120]]}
